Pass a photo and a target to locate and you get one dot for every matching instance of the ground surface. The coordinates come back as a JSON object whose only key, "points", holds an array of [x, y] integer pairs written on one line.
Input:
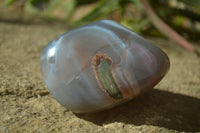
{"points": [[26, 105]]}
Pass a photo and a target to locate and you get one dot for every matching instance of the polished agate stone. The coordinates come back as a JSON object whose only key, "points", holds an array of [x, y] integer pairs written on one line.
{"points": [[100, 65]]}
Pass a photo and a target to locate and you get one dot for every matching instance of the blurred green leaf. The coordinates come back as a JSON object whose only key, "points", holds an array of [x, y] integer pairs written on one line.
{"points": [[9, 2], [30, 8], [51, 7], [69, 8], [105, 7], [136, 26], [137, 3], [193, 3]]}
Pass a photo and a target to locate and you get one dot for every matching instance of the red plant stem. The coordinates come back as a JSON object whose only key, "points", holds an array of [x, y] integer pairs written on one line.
{"points": [[165, 29]]}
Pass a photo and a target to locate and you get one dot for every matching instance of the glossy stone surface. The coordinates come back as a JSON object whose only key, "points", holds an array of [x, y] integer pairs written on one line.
{"points": [[100, 65]]}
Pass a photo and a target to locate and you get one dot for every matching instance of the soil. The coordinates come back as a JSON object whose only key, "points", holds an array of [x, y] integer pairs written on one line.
{"points": [[27, 106]]}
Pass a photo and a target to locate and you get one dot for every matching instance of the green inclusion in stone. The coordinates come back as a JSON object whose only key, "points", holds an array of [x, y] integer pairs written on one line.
{"points": [[105, 75]]}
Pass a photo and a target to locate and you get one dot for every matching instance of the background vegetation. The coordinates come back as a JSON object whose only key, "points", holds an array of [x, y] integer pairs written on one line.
{"points": [[163, 18]]}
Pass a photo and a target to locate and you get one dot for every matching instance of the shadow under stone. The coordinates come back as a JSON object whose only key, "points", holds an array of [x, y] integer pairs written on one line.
{"points": [[157, 108]]}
